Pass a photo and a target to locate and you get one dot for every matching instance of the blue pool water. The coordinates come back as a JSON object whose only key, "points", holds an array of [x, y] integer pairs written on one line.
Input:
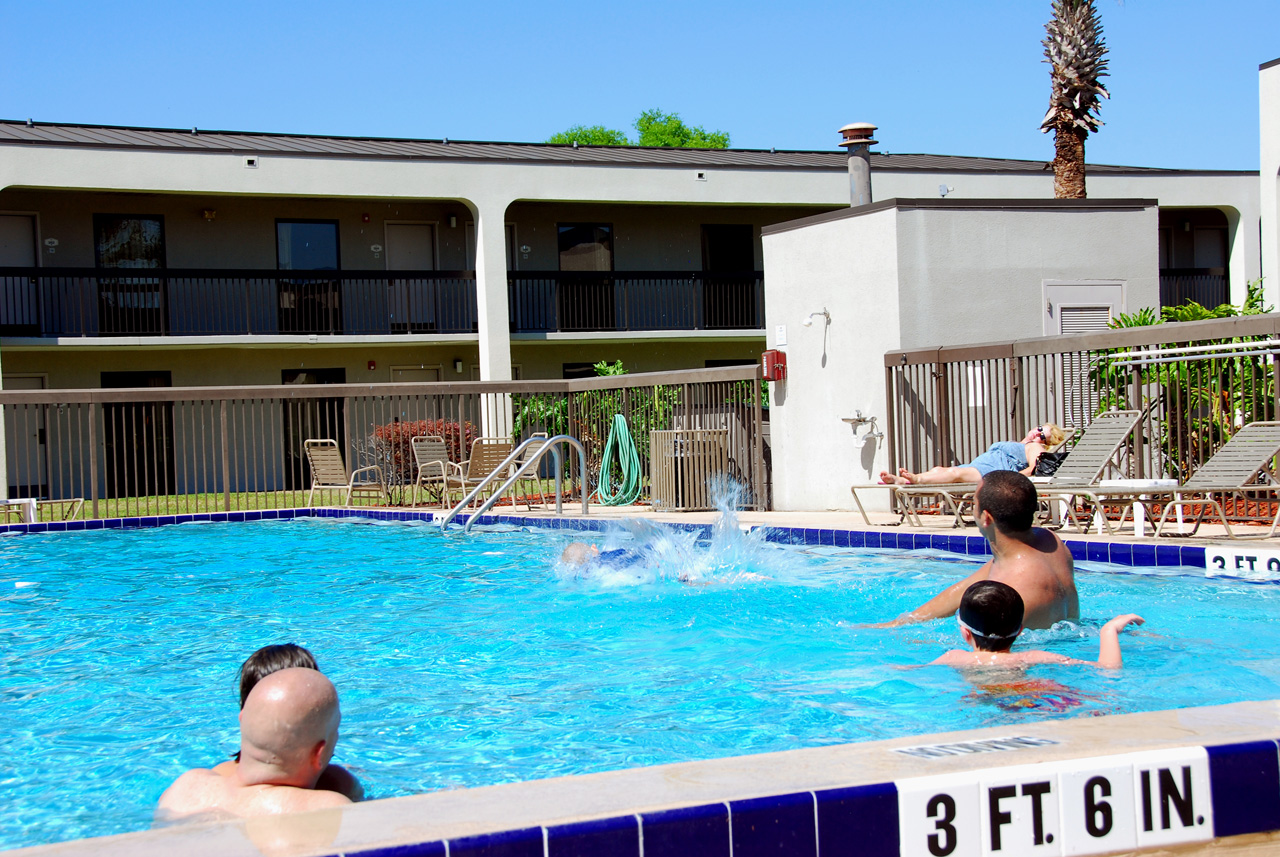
{"points": [[465, 661]]}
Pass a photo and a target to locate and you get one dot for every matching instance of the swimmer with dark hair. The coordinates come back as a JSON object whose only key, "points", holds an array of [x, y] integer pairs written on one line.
{"points": [[990, 618], [272, 659]]}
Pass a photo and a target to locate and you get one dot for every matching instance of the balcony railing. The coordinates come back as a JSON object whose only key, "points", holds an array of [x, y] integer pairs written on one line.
{"points": [[199, 302], [1181, 285], [564, 301]]}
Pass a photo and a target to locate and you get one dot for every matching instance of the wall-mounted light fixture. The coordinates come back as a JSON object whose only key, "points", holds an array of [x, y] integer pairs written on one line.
{"points": [[453, 221], [457, 365], [209, 214], [808, 319]]}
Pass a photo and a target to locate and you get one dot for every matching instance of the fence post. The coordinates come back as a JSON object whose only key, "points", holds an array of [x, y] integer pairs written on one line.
{"points": [[942, 444], [762, 503], [93, 456], [1135, 403], [226, 461]]}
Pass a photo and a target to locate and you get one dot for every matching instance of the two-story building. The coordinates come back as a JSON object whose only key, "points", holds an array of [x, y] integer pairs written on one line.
{"points": [[134, 257]]}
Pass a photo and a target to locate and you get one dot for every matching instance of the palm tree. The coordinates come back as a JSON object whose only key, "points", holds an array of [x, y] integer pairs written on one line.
{"points": [[1078, 56]]}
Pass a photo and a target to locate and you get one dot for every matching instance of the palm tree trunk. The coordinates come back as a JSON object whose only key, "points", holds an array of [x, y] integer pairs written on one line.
{"points": [[1068, 161]]}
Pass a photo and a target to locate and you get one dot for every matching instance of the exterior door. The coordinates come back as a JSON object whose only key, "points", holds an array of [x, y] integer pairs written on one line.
{"points": [[310, 419], [138, 439], [19, 300], [729, 284], [130, 303], [415, 301], [24, 429]]}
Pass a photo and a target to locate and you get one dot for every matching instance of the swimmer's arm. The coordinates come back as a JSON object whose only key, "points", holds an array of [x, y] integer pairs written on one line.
{"points": [[945, 603], [1109, 640], [953, 658], [336, 778]]}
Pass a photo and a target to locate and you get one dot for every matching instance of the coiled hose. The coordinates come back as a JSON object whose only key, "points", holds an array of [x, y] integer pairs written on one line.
{"points": [[620, 444]]}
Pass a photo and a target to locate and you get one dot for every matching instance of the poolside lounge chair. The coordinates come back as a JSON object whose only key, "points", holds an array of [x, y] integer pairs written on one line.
{"points": [[1242, 466], [487, 454], [329, 472], [1089, 457], [433, 469]]}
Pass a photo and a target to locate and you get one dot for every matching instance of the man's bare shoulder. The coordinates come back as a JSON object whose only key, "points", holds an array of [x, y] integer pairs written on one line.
{"points": [[275, 800], [196, 791]]}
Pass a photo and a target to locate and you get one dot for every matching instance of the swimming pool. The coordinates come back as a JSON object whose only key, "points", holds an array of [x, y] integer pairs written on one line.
{"points": [[469, 661]]}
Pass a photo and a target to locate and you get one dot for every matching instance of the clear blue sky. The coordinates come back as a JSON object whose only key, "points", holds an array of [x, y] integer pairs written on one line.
{"points": [[937, 76]]}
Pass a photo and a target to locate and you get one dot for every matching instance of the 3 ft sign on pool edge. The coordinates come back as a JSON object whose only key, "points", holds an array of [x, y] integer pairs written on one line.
{"points": [[1090, 806]]}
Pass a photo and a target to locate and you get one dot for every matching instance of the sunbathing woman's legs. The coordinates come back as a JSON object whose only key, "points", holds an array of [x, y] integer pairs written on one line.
{"points": [[933, 476]]}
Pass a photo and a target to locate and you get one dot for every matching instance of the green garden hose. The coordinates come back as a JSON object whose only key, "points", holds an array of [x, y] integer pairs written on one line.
{"points": [[620, 444]]}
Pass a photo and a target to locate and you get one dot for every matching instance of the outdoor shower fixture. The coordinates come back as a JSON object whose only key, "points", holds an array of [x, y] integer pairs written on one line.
{"points": [[859, 420], [808, 320]]}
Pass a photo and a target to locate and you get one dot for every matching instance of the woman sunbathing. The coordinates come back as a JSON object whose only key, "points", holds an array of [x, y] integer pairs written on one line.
{"points": [[1019, 455]]}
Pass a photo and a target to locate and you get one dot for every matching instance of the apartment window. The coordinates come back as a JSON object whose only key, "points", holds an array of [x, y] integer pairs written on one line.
{"points": [[308, 304], [585, 246], [585, 299], [307, 245]]}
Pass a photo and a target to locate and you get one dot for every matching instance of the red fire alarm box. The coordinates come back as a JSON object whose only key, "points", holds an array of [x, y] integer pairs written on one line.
{"points": [[774, 363]]}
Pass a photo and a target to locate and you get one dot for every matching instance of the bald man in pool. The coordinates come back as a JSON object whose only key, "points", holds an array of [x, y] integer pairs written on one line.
{"points": [[1032, 560], [288, 730]]}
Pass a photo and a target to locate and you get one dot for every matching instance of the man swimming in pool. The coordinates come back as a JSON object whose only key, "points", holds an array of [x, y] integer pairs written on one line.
{"points": [[288, 730], [990, 617], [1032, 560]]}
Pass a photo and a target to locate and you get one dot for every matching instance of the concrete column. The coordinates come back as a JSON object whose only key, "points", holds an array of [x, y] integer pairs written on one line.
{"points": [[492, 311], [1269, 175], [491, 289]]}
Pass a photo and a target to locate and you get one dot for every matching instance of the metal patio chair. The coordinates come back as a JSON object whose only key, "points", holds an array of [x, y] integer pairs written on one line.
{"points": [[329, 472]]}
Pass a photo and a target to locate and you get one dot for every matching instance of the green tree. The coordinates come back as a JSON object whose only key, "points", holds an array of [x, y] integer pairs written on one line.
{"points": [[1077, 57], [668, 129], [654, 128], [590, 135]]}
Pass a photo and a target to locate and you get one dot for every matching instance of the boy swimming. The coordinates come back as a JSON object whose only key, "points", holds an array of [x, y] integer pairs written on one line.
{"points": [[990, 617]]}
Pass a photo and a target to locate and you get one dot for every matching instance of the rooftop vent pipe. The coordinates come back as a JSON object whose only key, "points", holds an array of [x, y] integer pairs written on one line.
{"points": [[857, 140]]}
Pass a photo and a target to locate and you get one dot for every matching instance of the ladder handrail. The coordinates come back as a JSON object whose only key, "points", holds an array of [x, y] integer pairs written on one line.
{"points": [[553, 444], [547, 443]]}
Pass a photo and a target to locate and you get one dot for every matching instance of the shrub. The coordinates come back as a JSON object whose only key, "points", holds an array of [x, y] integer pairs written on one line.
{"points": [[390, 444]]}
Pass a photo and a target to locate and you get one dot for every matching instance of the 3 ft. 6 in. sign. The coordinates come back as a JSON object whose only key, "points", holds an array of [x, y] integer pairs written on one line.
{"points": [[1093, 806]]}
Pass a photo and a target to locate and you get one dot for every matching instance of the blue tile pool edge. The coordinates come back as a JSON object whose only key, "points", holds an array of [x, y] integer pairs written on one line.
{"points": [[1133, 554], [1244, 798]]}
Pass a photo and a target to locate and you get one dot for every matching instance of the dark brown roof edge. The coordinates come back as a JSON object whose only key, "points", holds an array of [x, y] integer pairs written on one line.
{"points": [[962, 205], [1267, 65]]}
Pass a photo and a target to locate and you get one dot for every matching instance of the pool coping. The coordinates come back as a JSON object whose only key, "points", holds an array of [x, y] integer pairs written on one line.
{"points": [[1134, 553], [867, 798]]}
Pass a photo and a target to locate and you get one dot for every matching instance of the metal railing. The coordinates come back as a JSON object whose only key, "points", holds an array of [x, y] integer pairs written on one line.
{"points": [[554, 301], [1184, 285], [947, 405], [169, 451], [216, 302]]}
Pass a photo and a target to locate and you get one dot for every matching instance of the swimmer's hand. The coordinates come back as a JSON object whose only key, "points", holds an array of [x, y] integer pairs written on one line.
{"points": [[905, 619], [1109, 642], [1119, 623]]}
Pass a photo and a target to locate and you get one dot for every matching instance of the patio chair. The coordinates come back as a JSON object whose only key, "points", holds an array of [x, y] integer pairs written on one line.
{"points": [[329, 472], [531, 476], [1242, 466], [487, 455], [433, 469]]}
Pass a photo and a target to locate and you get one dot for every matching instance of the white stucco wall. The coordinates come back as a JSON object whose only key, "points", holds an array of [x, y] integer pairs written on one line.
{"points": [[849, 266], [907, 276], [977, 276], [1269, 175]]}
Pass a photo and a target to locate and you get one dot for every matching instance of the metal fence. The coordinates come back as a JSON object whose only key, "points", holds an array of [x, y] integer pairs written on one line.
{"points": [[196, 302], [195, 449], [1197, 381], [1184, 285], [635, 300]]}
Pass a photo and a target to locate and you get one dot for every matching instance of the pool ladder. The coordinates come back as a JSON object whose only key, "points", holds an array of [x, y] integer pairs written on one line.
{"points": [[551, 445]]}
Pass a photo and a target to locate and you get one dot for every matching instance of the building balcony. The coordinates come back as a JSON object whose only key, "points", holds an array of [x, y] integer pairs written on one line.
{"points": [[1206, 286], [170, 302], [622, 301]]}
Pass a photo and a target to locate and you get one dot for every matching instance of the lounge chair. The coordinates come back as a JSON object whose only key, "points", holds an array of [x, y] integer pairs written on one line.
{"points": [[1092, 452], [1235, 468], [433, 469], [487, 455], [329, 472]]}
